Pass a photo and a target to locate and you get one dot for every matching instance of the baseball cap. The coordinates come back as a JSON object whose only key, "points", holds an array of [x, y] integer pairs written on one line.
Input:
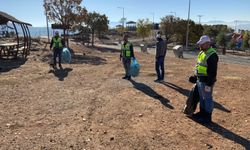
{"points": [[203, 39]]}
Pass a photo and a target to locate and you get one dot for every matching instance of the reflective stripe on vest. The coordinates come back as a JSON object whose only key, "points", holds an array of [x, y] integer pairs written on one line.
{"points": [[201, 67], [126, 52], [57, 43]]}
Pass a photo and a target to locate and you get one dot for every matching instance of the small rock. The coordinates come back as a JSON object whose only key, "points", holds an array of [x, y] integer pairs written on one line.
{"points": [[8, 125], [105, 132], [209, 146], [140, 115], [84, 119], [112, 138], [88, 140]]}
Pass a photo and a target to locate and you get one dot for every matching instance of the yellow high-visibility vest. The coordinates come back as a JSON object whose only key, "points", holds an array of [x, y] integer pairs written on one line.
{"points": [[126, 52], [201, 67], [57, 43]]}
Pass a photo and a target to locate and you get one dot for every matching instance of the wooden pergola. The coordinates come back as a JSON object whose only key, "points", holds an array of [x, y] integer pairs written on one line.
{"points": [[15, 47]]}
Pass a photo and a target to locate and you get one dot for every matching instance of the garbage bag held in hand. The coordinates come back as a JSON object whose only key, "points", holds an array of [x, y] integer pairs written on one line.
{"points": [[192, 101], [66, 55], [134, 67]]}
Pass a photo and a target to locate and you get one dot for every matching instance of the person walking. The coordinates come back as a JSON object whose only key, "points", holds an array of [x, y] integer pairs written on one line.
{"points": [[57, 44], [205, 73], [161, 49], [127, 52]]}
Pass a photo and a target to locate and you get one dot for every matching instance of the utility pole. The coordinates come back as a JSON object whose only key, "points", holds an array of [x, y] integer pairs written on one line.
{"points": [[235, 25], [153, 14], [188, 25], [123, 19], [47, 25], [173, 12], [200, 18]]}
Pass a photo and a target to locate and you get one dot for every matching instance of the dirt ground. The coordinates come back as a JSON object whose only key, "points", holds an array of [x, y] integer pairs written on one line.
{"points": [[88, 106]]}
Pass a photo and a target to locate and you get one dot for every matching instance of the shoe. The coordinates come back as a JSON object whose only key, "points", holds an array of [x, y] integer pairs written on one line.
{"points": [[157, 80], [129, 78], [53, 66], [203, 118], [60, 66], [125, 77]]}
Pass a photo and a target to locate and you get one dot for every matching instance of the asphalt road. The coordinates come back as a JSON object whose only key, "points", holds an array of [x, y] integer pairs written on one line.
{"points": [[229, 58]]}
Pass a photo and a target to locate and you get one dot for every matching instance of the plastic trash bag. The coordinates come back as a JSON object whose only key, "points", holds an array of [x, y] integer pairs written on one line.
{"points": [[134, 67], [66, 55]]}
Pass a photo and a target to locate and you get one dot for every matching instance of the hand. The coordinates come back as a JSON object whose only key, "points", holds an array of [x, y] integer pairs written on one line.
{"points": [[208, 88], [192, 79]]}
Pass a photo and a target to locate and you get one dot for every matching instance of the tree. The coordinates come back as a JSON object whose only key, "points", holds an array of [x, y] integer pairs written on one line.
{"points": [[143, 28], [97, 23], [65, 12], [246, 40], [168, 26], [222, 40], [175, 29]]}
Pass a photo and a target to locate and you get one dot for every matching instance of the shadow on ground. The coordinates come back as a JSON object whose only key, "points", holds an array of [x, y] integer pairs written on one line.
{"points": [[106, 50], [150, 92], [80, 59], [9, 64], [61, 73], [225, 133], [186, 93]]}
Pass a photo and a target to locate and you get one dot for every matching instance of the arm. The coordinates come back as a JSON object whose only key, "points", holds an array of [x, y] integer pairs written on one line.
{"points": [[63, 43], [51, 43], [212, 64], [132, 50]]}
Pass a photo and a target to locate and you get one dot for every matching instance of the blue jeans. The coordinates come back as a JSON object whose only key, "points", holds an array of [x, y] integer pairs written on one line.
{"points": [[126, 65], [159, 67], [206, 99], [57, 53]]}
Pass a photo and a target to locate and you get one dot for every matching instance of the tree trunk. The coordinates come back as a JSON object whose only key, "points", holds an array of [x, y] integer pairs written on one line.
{"points": [[224, 50], [93, 38]]}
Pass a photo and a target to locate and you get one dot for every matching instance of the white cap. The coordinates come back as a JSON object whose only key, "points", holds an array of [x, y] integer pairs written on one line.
{"points": [[203, 39], [158, 35]]}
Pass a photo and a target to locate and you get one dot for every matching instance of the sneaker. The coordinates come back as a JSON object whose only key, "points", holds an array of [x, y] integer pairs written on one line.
{"points": [[125, 77], [129, 78], [60, 66], [157, 80]]}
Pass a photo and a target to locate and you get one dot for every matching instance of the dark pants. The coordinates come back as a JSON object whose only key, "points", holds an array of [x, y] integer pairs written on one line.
{"points": [[126, 65], [159, 67], [57, 53]]}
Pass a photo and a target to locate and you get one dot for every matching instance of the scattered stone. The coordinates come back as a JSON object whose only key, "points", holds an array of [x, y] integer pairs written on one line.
{"points": [[209, 146], [84, 119], [112, 138], [88, 140], [140, 115]]}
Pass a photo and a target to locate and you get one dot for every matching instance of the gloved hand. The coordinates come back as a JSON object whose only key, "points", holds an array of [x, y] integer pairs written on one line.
{"points": [[192, 79]]}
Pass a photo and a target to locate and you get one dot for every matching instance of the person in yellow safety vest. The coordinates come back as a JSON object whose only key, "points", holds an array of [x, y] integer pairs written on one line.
{"points": [[205, 77], [127, 52], [57, 44]]}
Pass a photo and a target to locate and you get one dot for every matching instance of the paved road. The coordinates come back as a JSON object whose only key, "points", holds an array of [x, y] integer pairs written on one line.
{"points": [[243, 60]]}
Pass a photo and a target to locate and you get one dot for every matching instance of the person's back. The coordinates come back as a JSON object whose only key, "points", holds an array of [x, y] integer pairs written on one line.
{"points": [[161, 48]]}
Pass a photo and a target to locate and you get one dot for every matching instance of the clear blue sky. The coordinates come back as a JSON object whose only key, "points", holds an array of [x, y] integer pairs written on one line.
{"points": [[224, 10]]}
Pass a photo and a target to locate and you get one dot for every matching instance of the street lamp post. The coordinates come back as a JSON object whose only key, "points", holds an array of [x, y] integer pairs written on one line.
{"points": [[153, 14], [123, 19], [173, 12], [200, 18], [47, 22], [188, 25]]}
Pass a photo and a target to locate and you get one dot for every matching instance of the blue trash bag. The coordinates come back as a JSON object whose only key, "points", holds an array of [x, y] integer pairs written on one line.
{"points": [[134, 67], [66, 55]]}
